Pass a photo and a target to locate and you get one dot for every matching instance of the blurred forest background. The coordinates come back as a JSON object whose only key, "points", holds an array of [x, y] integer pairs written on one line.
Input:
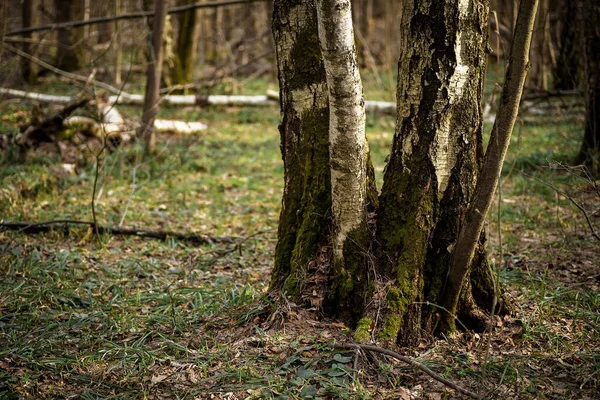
{"points": [[91, 306]]}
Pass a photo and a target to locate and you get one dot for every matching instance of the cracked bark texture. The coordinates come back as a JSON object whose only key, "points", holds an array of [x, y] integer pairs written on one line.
{"points": [[434, 162]]}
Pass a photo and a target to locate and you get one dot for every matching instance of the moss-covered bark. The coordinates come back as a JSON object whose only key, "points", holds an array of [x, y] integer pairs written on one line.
{"points": [[434, 161], [398, 261], [304, 145], [303, 266]]}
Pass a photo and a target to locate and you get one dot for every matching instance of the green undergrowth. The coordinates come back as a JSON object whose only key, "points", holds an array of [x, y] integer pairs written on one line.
{"points": [[112, 317]]}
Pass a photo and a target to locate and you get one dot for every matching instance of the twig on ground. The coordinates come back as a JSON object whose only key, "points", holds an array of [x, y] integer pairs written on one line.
{"points": [[411, 362], [47, 226]]}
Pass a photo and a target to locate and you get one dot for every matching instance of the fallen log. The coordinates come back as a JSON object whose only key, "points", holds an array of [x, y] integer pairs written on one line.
{"points": [[47, 129], [270, 99], [66, 225]]}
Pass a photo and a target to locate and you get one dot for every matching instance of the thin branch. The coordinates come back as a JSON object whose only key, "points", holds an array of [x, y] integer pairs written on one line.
{"points": [[134, 15], [66, 74], [63, 224], [588, 220], [411, 362]]}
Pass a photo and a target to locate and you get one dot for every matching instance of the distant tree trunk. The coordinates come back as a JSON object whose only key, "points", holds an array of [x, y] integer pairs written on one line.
{"points": [[29, 15], [435, 159], [186, 47], [568, 64], [117, 45], [153, 75], [70, 47], [589, 153], [106, 30], [540, 60]]}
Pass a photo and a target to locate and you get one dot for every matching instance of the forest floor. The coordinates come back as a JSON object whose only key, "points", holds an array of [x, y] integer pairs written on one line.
{"points": [[99, 316]]}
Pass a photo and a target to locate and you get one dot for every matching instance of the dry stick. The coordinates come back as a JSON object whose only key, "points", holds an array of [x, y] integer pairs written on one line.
{"points": [[48, 226], [516, 72], [134, 15], [57, 71], [410, 362]]}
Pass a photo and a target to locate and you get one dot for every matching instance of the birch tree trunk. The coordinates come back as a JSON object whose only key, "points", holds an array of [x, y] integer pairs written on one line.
{"points": [[348, 147], [320, 256], [516, 73], [153, 75], [433, 165]]}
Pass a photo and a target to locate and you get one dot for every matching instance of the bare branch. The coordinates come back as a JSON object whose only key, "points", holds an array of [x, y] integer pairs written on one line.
{"points": [[135, 15], [66, 74]]}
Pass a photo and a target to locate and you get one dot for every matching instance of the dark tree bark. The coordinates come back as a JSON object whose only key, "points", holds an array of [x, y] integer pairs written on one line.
{"points": [[153, 75], [400, 261], [568, 66], [470, 231], [185, 50], [435, 158], [69, 56], [29, 15], [589, 153]]}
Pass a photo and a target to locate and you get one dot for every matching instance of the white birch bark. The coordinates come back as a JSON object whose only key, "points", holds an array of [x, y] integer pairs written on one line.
{"points": [[347, 142]]}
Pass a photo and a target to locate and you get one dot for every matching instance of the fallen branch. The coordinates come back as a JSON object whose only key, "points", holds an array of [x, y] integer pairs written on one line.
{"points": [[271, 98], [64, 225], [411, 362], [47, 129], [196, 100], [39, 97]]}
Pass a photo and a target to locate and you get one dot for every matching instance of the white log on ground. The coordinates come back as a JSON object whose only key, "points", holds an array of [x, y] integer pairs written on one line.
{"points": [[348, 146], [271, 99]]}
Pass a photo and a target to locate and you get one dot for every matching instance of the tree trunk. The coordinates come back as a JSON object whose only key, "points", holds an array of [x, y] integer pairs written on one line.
{"points": [[435, 158], [185, 51], [70, 49], [153, 75], [516, 73], [117, 45], [29, 14], [320, 256], [589, 153], [348, 148], [568, 66], [330, 254]]}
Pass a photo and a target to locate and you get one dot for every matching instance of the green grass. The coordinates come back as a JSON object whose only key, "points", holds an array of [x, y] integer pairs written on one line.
{"points": [[135, 318]]}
